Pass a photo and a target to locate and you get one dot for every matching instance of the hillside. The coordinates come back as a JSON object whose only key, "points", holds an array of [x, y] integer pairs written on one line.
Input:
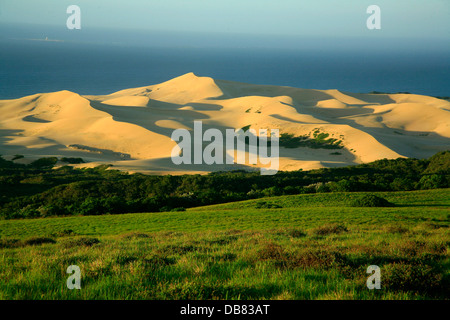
{"points": [[302, 251]]}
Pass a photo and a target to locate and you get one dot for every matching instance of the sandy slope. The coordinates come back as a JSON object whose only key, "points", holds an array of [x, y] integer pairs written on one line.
{"points": [[132, 128]]}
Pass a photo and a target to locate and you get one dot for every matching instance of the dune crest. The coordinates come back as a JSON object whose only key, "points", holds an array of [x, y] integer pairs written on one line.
{"points": [[132, 128]]}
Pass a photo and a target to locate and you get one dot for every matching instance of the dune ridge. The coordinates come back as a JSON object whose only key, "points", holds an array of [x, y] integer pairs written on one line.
{"points": [[138, 122]]}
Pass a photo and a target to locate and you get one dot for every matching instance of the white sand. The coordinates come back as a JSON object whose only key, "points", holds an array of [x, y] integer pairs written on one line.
{"points": [[138, 123]]}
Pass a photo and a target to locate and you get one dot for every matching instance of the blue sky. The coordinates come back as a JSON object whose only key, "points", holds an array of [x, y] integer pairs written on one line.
{"points": [[332, 18]]}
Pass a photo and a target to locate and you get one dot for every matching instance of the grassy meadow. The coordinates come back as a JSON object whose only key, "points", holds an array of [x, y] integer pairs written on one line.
{"points": [[311, 246]]}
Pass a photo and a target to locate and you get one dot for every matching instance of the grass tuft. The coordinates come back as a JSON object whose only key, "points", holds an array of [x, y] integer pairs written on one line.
{"points": [[83, 241], [35, 241], [330, 229], [135, 235]]}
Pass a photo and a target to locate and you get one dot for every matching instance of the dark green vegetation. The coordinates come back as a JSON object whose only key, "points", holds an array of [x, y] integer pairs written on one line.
{"points": [[371, 200], [36, 190], [309, 246], [72, 160], [320, 140]]}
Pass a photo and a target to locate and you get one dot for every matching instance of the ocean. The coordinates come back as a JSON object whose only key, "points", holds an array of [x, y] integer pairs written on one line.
{"points": [[29, 67]]}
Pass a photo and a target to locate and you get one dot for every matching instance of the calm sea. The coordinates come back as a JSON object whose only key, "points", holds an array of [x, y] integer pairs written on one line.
{"points": [[28, 67]]}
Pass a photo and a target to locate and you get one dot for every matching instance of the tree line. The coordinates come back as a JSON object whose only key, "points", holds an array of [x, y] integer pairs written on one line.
{"points": [[40, 190]]}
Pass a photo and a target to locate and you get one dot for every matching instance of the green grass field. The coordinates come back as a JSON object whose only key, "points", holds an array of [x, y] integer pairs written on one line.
{"points": [[290, 247]]}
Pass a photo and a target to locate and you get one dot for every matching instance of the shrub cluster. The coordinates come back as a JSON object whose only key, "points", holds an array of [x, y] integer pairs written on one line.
{"points": [[371, 200]]}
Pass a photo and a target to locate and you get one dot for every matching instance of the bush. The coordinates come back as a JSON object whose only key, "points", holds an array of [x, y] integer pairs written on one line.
{"points": [[411, 277], [343, 185], [48, 211], [266, 205], [37, 241], [433, 181], [371, 200], [228, 256], [72, 160], [271, 251], [27, 212], [179, 209], [296, 233], [396, 229], [9, 243], [400, 184], [157, 261], [135, 235], [84, 241], [291, 232], [91, 206], [44, 163], [330, 229], [317, 258]]}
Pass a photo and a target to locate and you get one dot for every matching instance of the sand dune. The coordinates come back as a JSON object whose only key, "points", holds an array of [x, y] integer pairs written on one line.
{"points": [[133, 127]]}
